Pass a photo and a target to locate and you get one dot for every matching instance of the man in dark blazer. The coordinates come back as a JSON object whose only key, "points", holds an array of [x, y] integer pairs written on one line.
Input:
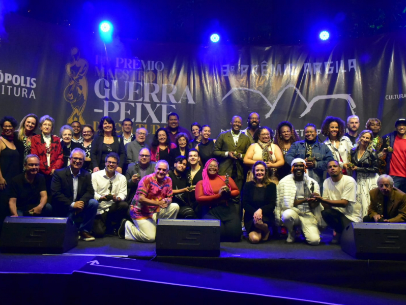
{"points": [[73, 194], [388, 204], [230, 149]]}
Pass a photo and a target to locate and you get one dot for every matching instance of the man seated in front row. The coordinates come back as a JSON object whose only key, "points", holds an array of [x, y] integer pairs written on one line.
{"points": [[110, 189], [28, 191], [152, 201], [72, 194], [339, 200], [388, 204], [296, 204], [181, 188]]}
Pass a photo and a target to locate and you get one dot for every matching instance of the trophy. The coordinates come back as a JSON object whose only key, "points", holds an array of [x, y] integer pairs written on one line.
{"points": [[110, 195], [235, 154], [309, 154], [227, 182], [191, 187], [350, 164], [137, 169], [389, 148], [312, 204]]}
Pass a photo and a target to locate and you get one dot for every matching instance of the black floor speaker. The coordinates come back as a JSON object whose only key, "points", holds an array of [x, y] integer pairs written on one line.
{"points": [[367, 240], [188, 237], [38, 235]]}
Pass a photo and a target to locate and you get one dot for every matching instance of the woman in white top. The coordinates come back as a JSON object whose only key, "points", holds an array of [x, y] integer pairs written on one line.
{"points": [[334, 128], [264, 150]]}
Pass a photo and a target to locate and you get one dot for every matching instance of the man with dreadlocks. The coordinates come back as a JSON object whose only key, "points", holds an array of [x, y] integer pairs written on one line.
{"points": [[213, 194], [296, 204]]}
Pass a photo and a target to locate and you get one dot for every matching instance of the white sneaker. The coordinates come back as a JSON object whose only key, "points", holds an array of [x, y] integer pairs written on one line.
{"points": [[291, 237]]}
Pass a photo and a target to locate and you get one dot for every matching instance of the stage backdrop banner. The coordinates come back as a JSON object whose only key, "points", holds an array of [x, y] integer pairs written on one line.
{"points": [[70, 75]]}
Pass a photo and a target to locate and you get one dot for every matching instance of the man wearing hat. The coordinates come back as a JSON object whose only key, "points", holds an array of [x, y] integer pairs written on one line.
{"points": [[394, 145], [296, 204]]}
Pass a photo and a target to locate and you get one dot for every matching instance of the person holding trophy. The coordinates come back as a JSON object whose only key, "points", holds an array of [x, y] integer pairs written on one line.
{"points": [[296, 204], [315, 153], [364, 167], [214, 194]]}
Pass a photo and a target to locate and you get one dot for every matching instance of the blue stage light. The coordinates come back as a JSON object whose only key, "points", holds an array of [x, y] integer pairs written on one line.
{"points": [[215, 38], [106, 31], [324, 35]]}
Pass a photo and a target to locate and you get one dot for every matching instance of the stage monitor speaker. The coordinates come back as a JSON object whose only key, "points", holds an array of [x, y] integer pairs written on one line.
{"points": [[368, 240], [38, 235], [188, 237]]}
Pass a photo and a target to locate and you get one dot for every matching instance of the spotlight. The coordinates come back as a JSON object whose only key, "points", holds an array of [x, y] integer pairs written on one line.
{"points": [[215, 38], [106, 31], [105, 26], [324, 35]]}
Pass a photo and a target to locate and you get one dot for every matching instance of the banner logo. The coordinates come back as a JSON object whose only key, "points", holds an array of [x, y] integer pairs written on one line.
{"points": [[77, 90]]}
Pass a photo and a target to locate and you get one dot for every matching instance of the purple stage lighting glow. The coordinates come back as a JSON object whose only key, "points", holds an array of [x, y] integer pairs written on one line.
{"points": [[215, 38], [324, 35]]}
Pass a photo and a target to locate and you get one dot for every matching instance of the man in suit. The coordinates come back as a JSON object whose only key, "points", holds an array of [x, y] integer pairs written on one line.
{"points": [[388, 204], [137, 171], [230, 149], [127, 128], [73, 194]]}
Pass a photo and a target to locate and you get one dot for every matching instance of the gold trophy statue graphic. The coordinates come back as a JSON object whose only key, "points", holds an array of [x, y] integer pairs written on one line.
{"points": [[76, 91]]}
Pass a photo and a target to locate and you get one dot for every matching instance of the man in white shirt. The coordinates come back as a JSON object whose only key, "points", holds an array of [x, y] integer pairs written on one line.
{"points": [[297, 205], [339, 200], [110, 189]]}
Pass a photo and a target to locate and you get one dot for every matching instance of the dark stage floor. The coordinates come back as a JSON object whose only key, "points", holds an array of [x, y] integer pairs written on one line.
{"points": [[296, 267]]}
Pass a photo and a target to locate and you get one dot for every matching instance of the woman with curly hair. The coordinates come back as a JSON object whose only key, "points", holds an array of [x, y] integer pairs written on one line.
{"points": [[285, 135], [364, 167], [182, 149], [264, 150], [339, 144], [161, 146], [106, 142]]}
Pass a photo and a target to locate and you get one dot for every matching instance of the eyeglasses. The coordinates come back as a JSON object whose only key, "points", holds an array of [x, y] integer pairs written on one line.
{"points": [[142, 133], [145, 156], [77, 159]]}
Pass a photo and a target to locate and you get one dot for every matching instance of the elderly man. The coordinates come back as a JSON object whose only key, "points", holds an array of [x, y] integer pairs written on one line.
{"points": [[72, 194], [110, 189], [152, 201], [137, 171], [253, 125], [339, 200], [28, 192], [352, 126], [388, 204], [174, 128], [134, 147], [77, 132], [297, 205]]}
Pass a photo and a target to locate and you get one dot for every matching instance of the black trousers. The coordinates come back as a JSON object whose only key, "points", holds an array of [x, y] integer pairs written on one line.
{"points": [[230, 223], [111, 219], [335, 219]]}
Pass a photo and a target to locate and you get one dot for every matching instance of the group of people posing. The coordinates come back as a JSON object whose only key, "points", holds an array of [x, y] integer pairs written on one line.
{"points": [[248, 178]]}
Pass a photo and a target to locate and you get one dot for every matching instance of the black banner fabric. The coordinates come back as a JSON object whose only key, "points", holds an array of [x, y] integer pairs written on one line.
{"points": [[70, 75]]}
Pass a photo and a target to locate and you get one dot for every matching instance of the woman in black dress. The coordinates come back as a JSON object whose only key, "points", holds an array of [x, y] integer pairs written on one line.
{"points": [[259, 200], [87, 134], [206, 146], [196, 129], [106, 142], [9, 163]]}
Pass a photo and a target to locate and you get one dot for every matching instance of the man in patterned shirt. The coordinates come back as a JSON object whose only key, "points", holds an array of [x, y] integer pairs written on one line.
{"points": [[152, 201]]}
